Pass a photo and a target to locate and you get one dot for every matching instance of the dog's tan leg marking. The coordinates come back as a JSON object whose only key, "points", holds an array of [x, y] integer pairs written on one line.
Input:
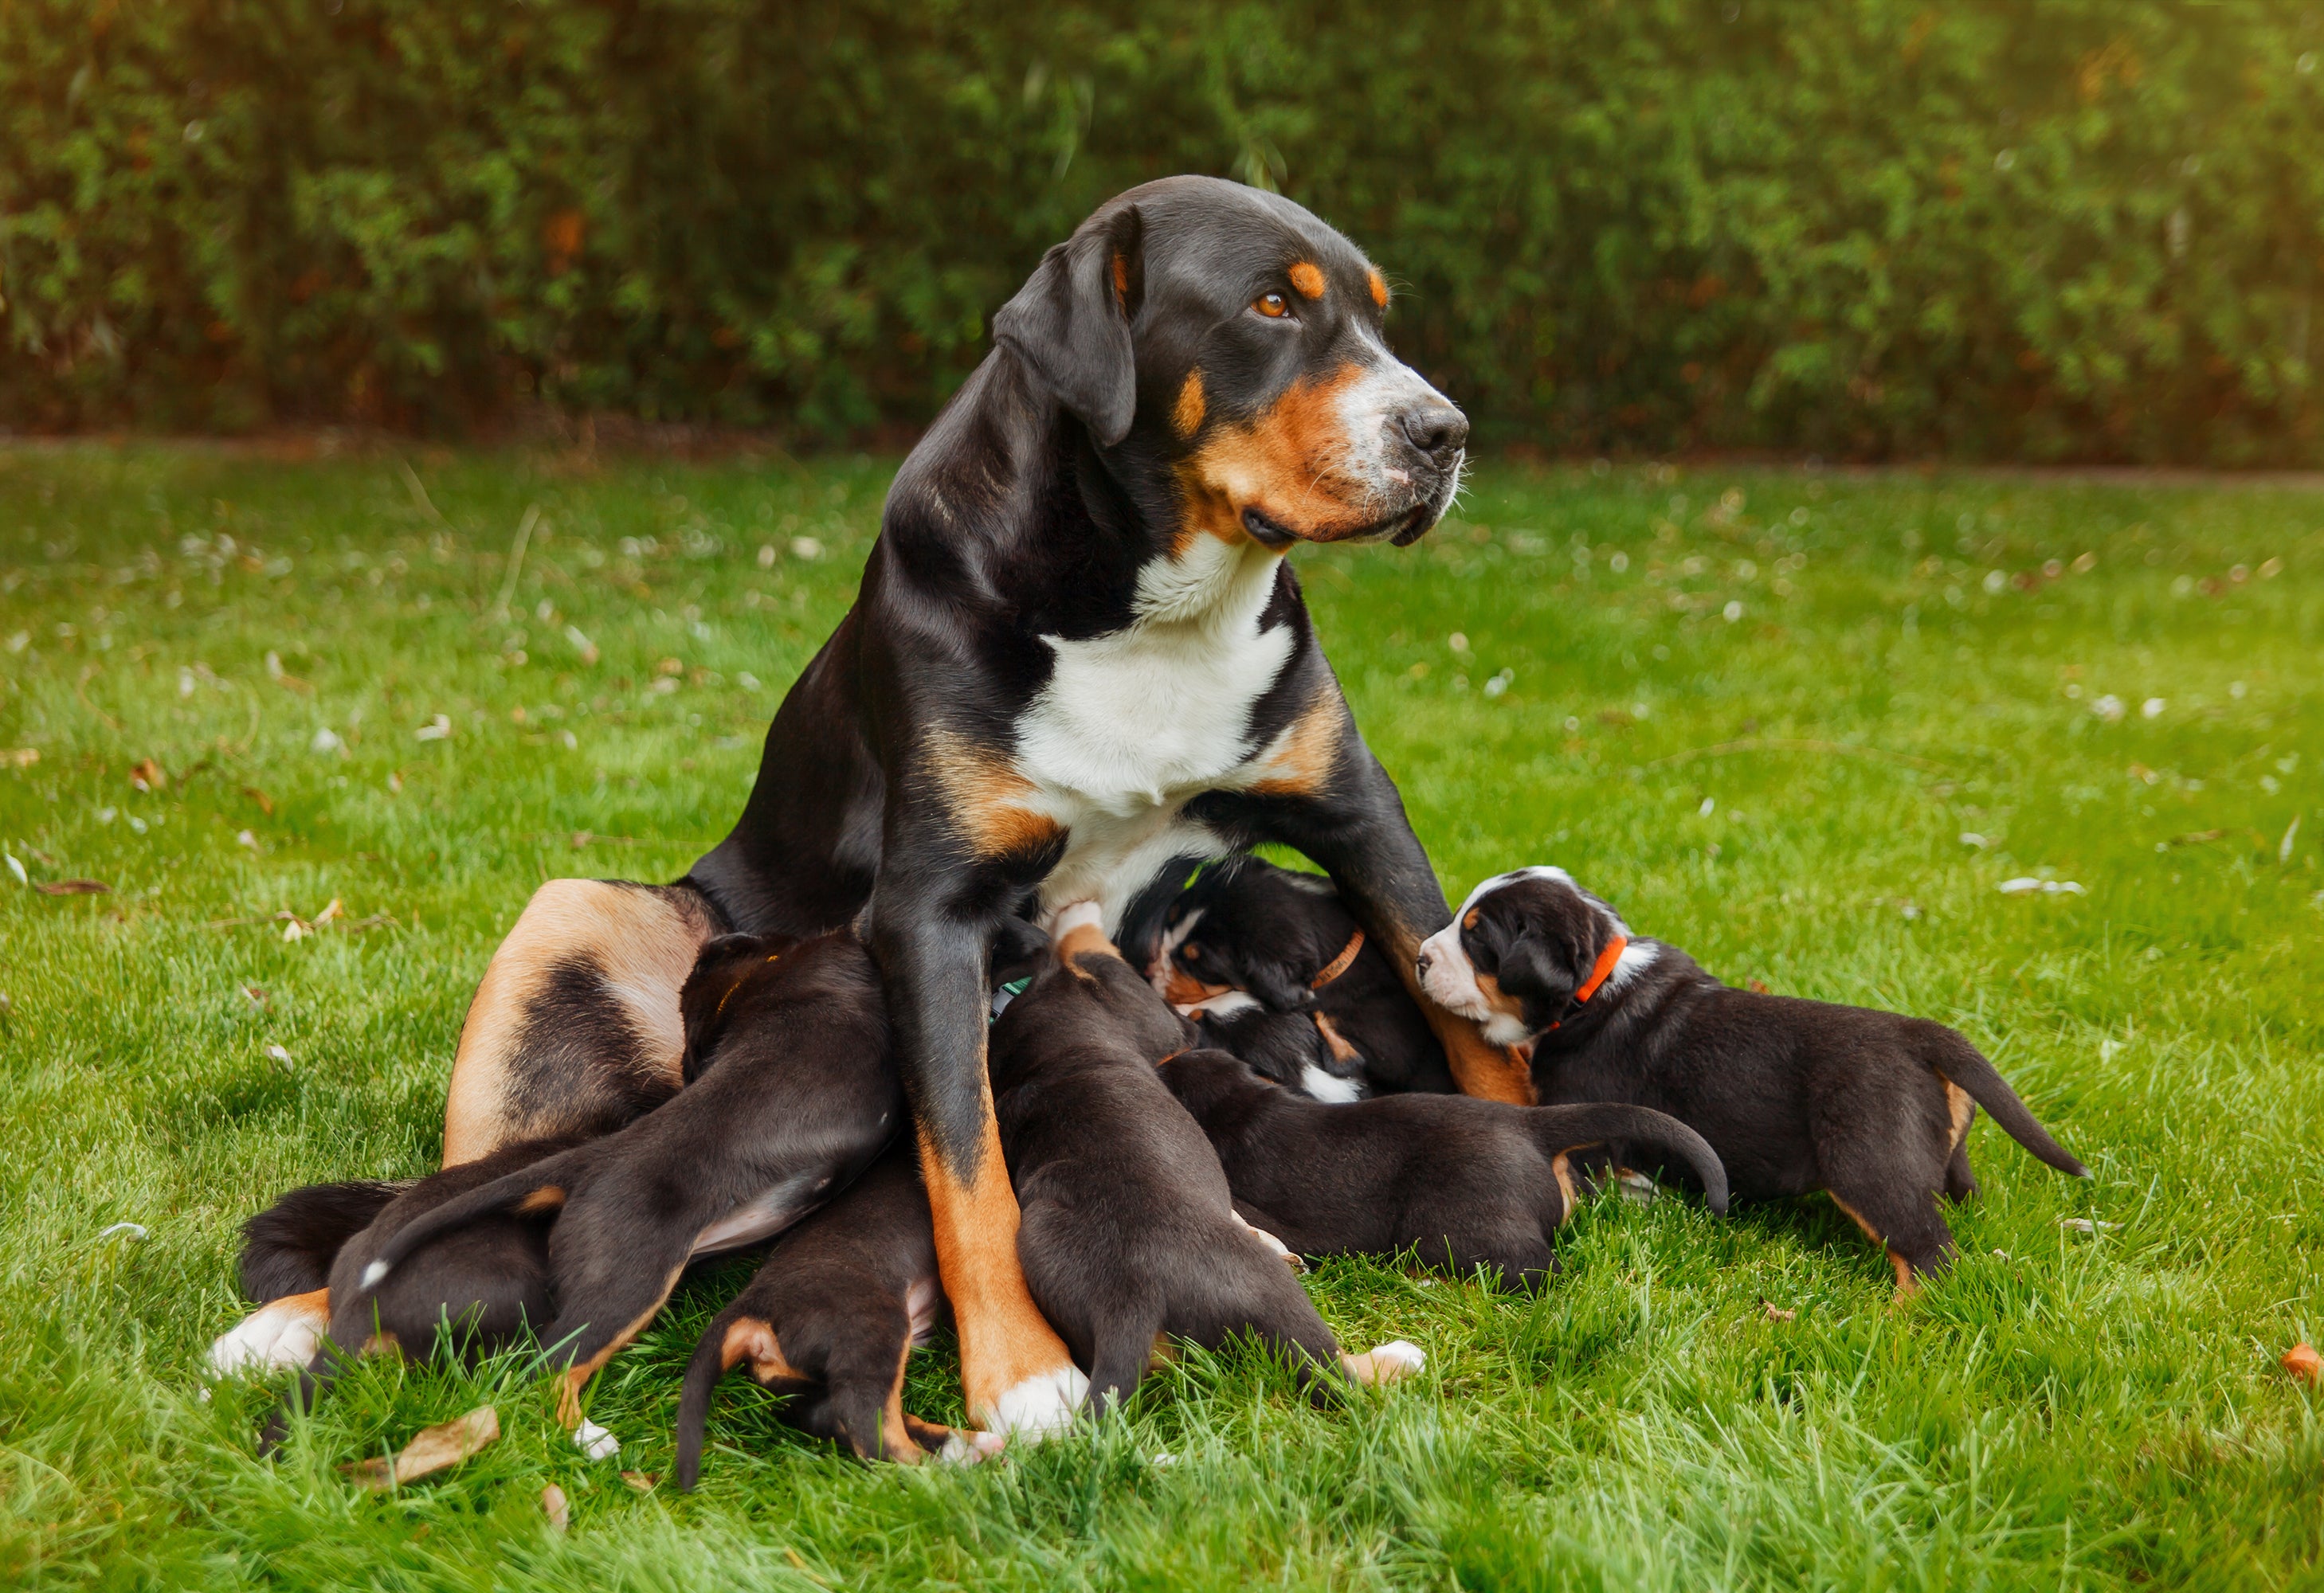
{"points": [[1015, 1371], [753, 1337], [1337, 1043], [1960, 1107], [569, 1392], [1304, 753], [643, 940], [1561, 1167], [1906, 1283]]}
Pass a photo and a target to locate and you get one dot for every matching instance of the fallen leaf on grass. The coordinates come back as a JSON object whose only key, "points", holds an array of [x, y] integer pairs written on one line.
{"points": [[257, 997], [73, 888], [553, 1506], [643, 1481], [276, 1054], [2303, 1363], [1758, 987], [431, 1451], [146, 775], [2085, 1225], [265, 803], [17, 869], [135, 1231], [1777, 1313], [244, 838], [328, 913], [21, 757]]}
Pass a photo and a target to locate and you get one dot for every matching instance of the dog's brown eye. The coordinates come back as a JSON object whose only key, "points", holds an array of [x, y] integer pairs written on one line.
{"points": [[1271, 305], [1192, 953]]}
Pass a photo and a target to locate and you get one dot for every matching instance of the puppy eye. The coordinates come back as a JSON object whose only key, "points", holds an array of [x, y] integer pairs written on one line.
{"points": [[1273, 306], [1191, 952]]}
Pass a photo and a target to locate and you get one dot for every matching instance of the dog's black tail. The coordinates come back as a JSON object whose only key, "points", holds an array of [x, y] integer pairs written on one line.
{"points": [[541, 1187], [1562, 1128], [1952, 1058], [701, 1375], [288, 1248]]}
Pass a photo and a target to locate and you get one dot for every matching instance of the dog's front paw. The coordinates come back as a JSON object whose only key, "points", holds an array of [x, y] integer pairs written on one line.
{"points": [[1281, 1251], [284, 1332], [964, 1447], [1043, 1403]]}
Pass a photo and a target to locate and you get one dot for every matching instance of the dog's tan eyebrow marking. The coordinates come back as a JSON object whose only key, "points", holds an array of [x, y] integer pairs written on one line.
{"points": [[1307, 279], [1378, 285], [1186, 414]]}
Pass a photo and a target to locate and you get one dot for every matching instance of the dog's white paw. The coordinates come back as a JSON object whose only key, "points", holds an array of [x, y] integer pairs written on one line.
{"points": [[279, 1334], [594, 1441], [1391, 1362], [965, 1448], [1076, 916], [1042, 1405]]}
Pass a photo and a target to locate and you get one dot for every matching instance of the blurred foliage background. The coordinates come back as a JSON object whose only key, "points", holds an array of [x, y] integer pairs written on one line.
{"points": [[2029, 229]]}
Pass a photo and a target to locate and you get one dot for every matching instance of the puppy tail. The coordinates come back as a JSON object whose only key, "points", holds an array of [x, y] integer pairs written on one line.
{"points": [[1572, 1128], [701, 1377], [288, 1248], [1953, 1059], [541, 1187]]}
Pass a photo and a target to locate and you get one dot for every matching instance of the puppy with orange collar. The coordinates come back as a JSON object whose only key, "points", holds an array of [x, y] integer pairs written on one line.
{"points": [[1872, 1107]]}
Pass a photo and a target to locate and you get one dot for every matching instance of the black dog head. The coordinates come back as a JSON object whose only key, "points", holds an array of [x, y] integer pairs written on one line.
{"points": [[1518, 952], [1225, 347], [1245, 925]]}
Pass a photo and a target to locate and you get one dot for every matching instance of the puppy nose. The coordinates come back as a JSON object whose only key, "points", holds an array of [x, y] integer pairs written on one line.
{"points": [[1435, 428]]}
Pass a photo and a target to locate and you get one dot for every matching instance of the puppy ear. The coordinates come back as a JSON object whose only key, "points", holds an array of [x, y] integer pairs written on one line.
{"points": [[1019, 950], [1070, 323], [1536, 969], [1273, 982]]}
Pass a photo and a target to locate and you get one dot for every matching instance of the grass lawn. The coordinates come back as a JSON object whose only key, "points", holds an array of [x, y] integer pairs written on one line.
{"points": [[1804, 725]]}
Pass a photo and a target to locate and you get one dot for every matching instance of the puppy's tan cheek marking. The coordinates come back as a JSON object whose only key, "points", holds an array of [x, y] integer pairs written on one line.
{"points": [[1378, 285], [1307, 279], [1286, 463], [1489, 986], [1186, 414]]}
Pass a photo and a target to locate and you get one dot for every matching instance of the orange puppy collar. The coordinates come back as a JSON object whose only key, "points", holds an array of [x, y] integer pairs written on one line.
{"points": [[1339, 964], [1599, 972]]}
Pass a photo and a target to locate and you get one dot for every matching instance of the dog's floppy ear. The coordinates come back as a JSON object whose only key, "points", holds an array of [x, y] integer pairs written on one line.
{"points": [[1534, 968], [1070, 322]]}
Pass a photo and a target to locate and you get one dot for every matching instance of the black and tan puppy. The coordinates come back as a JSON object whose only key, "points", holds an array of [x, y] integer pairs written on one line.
{"points": [[1872, 1107], [1466, 1182], [828, 1320], [476, 1288], [1248, 942], [797, 1081], [1130, 1232]]}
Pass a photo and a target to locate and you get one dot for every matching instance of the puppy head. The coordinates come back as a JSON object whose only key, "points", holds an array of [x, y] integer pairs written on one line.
{"points": [[1085, 993], [721, 968], [1517, 951], [1245, 924]]}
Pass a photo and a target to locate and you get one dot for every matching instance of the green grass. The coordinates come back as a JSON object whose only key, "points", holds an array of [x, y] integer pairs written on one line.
{"points": [[1787, 794]]}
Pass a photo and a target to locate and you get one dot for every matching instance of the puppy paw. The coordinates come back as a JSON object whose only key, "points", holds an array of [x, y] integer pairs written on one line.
{"points": [[281, 1333], [1391, 1362], [968, 1448], [1040, 1405], [594, 1441], [1079, 927]]}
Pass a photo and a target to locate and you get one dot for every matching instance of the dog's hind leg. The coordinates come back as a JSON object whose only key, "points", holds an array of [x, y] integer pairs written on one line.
{"points": [[1904, 1223], [1123, 1350]]}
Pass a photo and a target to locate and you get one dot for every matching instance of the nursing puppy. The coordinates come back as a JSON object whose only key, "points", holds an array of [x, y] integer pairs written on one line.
{"points": [[1466, 1183], [829, 1320], [1247, 935], [1872, 1107], [1130, 1231], [793, 1079], [476, 1288]]}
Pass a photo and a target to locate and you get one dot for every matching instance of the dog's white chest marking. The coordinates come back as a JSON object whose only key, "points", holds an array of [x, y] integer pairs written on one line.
{"points": [[1135, 724]]}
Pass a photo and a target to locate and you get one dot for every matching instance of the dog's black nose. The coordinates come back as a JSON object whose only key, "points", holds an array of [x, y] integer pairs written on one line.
{"points": [[1436, 429]]}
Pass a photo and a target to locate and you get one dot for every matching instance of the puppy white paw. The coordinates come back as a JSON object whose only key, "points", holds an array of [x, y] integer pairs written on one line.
{"points": [[1042, 1405], [594, 1441], [1076, 916], [279, 1334], [965, 1448], [1391, 1362]]}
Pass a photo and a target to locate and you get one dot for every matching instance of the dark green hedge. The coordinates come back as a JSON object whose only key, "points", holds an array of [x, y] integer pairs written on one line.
{"points": [[2006, 228]]}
